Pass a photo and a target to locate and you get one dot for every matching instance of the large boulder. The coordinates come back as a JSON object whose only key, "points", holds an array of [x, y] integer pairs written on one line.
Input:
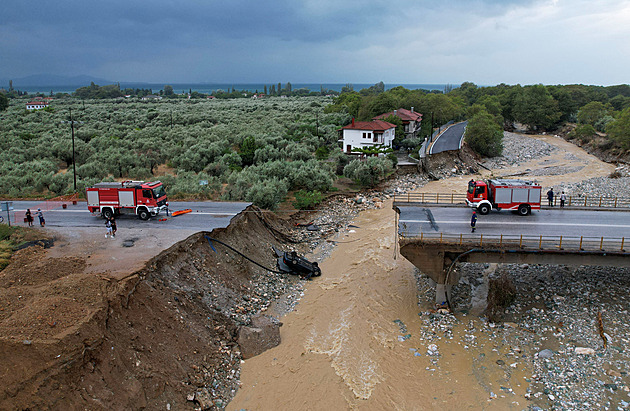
{"points": [[261, 335]]}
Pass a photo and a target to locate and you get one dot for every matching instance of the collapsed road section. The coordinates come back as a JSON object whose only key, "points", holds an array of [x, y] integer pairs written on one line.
{"points": [[166, 336]]}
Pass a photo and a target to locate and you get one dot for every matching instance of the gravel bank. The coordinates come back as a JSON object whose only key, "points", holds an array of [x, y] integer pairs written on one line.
{"points": [[568, 327], [552, 331], [518, 149]]}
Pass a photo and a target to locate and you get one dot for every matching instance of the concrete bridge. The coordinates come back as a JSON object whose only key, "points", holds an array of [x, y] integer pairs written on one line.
{"points": [[436, 238]]}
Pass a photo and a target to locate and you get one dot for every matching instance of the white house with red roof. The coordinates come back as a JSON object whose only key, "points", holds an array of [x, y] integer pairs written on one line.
{"points": [[36, 105], [410, 119], [360, 134]]}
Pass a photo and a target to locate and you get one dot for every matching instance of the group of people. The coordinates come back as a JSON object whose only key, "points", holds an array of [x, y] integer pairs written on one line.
{"points": [[551, 195], [110, 223], [40, 215]]}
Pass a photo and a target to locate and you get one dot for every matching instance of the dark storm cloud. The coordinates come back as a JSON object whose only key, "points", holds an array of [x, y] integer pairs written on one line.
{"points": [[165, 21], [244, 40]]}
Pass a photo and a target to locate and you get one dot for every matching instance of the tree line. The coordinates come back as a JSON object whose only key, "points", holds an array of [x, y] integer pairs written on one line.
{"points": [[490, 110], [263, 150]]}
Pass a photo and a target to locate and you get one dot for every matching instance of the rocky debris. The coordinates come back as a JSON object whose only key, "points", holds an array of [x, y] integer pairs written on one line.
{"points": [[517, 150], [554, 171], [551, 330], [598, 187], [449, 163], [263, 334]]}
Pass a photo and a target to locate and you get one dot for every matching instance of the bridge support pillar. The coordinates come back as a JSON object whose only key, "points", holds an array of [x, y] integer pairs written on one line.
{"points": [[442, 293], [436, 258], [435, 263]]}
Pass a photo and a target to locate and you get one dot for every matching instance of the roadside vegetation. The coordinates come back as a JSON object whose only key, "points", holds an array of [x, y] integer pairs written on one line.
{"points": [[262, 150], [6, 245], [12, 238]]}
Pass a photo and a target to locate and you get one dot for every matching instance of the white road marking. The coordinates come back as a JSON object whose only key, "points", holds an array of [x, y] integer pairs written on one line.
{"points": [[87, 211], [520, 223]]}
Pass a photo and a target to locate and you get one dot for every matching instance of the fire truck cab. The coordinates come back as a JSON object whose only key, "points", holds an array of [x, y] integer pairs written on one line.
{"points": [[144, 199], [502, 194]]}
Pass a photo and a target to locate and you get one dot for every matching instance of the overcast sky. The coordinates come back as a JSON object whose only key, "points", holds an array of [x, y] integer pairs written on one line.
{"points": [[320, 41]]}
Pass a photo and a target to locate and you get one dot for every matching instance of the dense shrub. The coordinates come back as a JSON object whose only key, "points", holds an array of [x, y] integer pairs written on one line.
{"points": [[267, 194], [322, 153], [340, 161], [368, 172], [307, 200], [310, 176], [583, 132], [484, 135], [619, 130]]}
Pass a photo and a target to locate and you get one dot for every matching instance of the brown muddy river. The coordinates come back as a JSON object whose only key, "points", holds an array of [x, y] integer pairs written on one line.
{"points": [[358, 337]]}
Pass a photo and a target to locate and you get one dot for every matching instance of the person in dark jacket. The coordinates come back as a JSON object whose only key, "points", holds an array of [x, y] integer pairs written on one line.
{"points": [[112, 222], [29, 217], [550, 197], [473, 221]]}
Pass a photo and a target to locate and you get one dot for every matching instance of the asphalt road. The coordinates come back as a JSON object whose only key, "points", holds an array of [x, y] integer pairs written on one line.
{"points": [[449, 139], [205, 215], [549, 222]]}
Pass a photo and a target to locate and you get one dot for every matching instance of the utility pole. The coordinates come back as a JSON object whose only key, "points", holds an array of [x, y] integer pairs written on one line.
{"points": [[74, 163]]}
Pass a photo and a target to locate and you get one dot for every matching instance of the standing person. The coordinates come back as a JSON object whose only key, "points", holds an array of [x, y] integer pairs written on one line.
{"points": [[42, 222], [473, 221], [112, 222], [29, 217], [563, 198], [108, 225], [550, 197]]}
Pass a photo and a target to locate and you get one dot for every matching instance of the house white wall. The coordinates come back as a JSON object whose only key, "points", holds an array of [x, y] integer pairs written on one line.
{"points": [[36, 106], [365, 138]]}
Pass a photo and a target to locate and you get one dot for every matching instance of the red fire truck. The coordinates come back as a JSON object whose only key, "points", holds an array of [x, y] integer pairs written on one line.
{"points": [[516, 195], [144, 199]]}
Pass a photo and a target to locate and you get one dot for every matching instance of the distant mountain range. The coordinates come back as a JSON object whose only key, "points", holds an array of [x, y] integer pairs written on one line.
{"points": [[51, 80]]}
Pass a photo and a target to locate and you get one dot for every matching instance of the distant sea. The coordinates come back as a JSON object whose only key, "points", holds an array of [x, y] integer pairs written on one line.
{"points": [[208, 88]]}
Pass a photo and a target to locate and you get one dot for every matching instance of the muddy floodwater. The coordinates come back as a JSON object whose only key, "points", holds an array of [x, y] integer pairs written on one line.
{"points": [[364, 336]]}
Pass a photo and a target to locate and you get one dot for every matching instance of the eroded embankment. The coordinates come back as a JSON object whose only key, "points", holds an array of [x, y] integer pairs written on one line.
{"points": [[163, 335]]}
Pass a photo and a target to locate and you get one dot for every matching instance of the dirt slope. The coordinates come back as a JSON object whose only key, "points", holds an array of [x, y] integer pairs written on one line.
{"points": [[161, 336]]}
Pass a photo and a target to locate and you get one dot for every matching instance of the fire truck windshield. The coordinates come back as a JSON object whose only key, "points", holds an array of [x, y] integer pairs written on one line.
{"points": [[159, 192]]}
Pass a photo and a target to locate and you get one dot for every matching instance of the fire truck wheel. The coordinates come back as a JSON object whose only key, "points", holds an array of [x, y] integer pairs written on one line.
{"points": [[523, 209], [107, 213], [144, 214], [483, 209]]}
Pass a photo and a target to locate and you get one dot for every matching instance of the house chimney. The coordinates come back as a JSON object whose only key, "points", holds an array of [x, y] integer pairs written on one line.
{"points": [[352, 121], [395, 112], [412, 109]]}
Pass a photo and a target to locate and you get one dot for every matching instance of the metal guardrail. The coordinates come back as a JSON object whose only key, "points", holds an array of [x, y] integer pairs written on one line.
{"points": [[541, 243], [571, 201], [432, 198]]}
